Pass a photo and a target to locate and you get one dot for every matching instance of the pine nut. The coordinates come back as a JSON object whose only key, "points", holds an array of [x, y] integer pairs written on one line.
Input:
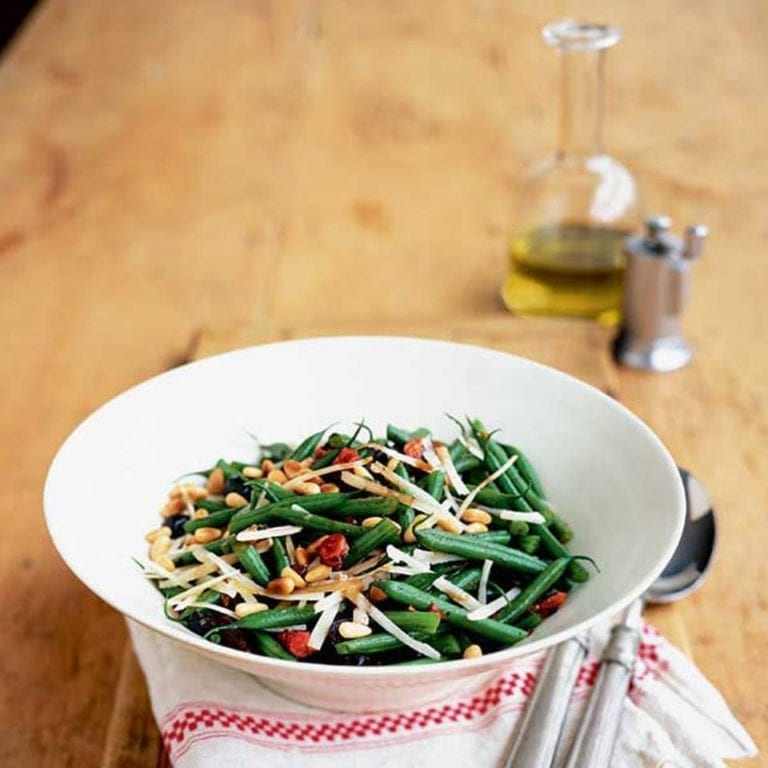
{"points": [[301, 557], [392, 464], [159, 547], [277, 476], [307, 463], [195, 492], [318, 573], [329, 488], [370, 522], [165, 562], [315, 479], [313, 547], [163, 530], [246, 609], [377, 595], [476, 528], [267, 466], [281, 586], [289, 573], [174, 507], [351, 629], [252, 473], [449, 524], [409, 537], [472, 652], [474, 515], [206, 535], [306, 489], [292, 468], [235, 500], [199, 514], [215, 484]]}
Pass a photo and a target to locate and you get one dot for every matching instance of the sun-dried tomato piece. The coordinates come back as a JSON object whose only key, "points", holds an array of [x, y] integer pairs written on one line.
{"points": [[296, 641], [346, 455], [320, 452], [414, 448], [549, 605], [435, 608], [333, 550]]}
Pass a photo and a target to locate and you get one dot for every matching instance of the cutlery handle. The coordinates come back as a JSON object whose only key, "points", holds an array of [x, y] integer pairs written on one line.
{"points": [[599, 727], [537, 739]]}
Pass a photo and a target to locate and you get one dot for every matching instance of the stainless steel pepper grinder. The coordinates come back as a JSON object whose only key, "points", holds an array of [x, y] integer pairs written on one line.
{"points": [[656, 285]]}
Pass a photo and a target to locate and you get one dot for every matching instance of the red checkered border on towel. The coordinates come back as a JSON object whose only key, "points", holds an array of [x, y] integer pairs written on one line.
{"points": [[192, 722]]}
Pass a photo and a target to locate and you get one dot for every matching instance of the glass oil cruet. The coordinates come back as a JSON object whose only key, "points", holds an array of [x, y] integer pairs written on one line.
{"points": [[576, 208]]}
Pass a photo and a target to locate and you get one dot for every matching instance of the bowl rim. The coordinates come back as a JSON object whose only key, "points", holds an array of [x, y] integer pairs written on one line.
{"points": [[486, 662]]}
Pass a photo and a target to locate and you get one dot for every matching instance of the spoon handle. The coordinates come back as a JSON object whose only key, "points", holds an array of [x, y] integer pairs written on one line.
{"points": [[537, 739], [599, 728]]}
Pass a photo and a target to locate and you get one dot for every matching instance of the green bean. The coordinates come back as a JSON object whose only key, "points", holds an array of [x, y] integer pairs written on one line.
{"points": [[276, 451], [422, 661], [252, 561], [498, 537], [518, 528], [383, 533], [434, 484], [307, 519], [217, 519], [397, 435], [493, 630], [425, 622], [381, 642], [279, 556], [496, 499], [539, 586], [306, 447], [365, 507], [229, 468], [561, 529], [405, 516], [209, 505], [525, 468], [529, 544], [269, 646], [467, 463], [467, 546], [326, 459], [529, 622], [275, 618], [246, 517], [221, 546], [456, 450], [467, 578], [555, 549]]}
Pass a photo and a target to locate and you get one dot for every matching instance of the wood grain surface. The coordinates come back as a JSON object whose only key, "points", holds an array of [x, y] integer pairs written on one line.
{"points": [[177, 178]]}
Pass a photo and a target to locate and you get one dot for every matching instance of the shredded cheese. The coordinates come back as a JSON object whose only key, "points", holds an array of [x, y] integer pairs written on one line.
{"points": [[457, 594], [450, 471], [436, 558], [322, 627], [398, 556], [515, 515], [482, 587], [293, 482], [377, 489], [269, 533], [487, 610]]}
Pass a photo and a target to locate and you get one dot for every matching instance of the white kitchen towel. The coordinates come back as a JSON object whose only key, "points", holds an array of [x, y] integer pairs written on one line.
{"points": [[211, 715]]}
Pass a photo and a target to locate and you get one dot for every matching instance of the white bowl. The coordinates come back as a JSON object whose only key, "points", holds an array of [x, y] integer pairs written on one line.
{"points": [[604, 470]]}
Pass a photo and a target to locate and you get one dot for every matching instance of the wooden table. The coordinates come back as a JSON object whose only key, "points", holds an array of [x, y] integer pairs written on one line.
{"points": [[178, 178]]}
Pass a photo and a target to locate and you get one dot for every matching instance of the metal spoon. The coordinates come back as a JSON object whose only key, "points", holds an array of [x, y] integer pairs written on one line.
{"points": [[537, 740], [599, 729]]}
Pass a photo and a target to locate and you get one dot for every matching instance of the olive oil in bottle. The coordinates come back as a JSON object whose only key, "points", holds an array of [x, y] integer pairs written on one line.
{"points": [[575, 208], [571, 270]]}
